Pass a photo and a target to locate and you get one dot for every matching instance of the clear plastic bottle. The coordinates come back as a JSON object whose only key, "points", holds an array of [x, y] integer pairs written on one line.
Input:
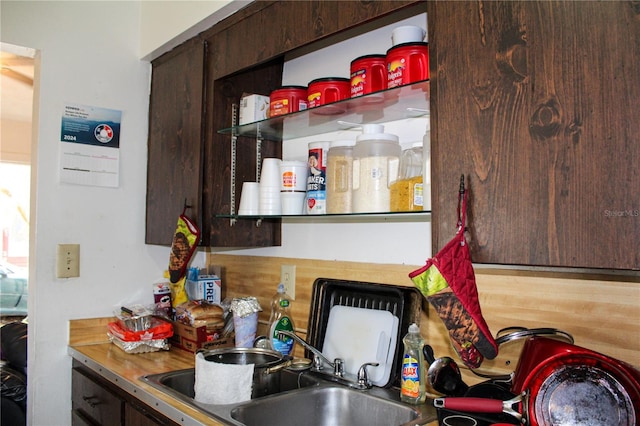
{"points": [[407, 191], [281, 320], [413, 377], [426, 170]]}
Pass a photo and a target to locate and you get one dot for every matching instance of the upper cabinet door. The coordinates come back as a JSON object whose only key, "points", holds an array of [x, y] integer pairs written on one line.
{"points": [[175, 146], [537, 104]]}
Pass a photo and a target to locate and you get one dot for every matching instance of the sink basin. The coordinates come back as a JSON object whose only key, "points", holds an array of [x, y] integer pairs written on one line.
{"points": [[181, 382], [300, 396], [325, 406]]}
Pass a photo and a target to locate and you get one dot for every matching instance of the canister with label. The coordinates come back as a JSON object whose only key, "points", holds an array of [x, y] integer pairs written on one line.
{"points": [[317, 180], [407, 63]]}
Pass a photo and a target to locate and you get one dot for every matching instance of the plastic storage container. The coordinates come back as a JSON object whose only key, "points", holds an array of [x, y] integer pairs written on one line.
{"points": [[426, 170], [287, 99], [281, 320], [407, 192], [413, 377], [317, 180], [327, 90], [368, 74], [376, 158], [339, 176], [407, 63]]}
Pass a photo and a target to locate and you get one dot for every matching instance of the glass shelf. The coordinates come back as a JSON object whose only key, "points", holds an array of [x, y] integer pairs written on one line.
{"points": [[380, 107], [377, 216]]}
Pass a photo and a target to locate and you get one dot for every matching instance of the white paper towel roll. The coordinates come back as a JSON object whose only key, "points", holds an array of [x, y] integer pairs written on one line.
{"points": [[218, 383]]}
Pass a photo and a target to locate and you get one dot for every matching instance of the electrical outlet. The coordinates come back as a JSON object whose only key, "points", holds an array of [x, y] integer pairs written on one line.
{"points": [[288, 278], [68, 261]]}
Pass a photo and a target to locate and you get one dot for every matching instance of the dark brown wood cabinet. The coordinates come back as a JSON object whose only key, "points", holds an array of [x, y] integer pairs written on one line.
{"points": [[192, 92], [537, 104], [175, 147], [95, 401]]}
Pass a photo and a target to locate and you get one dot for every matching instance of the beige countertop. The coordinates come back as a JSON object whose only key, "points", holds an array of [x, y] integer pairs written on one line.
{"points": [[88, 344]]}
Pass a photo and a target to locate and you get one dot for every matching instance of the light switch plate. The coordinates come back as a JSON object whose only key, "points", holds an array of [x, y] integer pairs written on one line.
{"points": [[68, 261]]}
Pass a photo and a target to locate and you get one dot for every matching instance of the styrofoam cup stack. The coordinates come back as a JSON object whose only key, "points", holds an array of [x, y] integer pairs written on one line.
{"points": [[249, 199], [269, 191]]}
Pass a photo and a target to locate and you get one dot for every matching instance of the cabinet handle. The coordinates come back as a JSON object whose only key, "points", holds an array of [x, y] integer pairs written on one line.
{"points": [[90, 401]]}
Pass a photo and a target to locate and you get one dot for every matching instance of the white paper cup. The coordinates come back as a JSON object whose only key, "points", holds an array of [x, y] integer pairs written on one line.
{"points": [[249, 201], [407, 34], [294, 176], [245, 329], [293, 203], [270, 173]]}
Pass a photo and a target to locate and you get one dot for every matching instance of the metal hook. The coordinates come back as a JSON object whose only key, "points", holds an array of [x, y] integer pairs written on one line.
{"points": [[185, 206]]}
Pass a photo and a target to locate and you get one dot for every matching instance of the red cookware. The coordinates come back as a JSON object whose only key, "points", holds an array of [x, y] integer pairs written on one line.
{"points": [[562, 384]]}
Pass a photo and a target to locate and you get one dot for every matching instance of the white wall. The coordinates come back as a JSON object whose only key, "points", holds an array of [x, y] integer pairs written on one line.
{"points": [[84, 58], [166, 24]]}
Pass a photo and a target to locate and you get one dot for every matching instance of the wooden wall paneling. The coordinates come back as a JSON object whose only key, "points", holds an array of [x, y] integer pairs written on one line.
{"points": [[174, 167], [536, 103], [600, 311], [263, 31]]}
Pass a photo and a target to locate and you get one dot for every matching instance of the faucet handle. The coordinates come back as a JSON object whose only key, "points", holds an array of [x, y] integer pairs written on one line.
{"points": [[338, 367], [363, 377]]}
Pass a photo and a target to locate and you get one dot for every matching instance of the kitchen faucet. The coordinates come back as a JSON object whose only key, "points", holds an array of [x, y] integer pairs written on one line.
{"points": [[359, 381]]}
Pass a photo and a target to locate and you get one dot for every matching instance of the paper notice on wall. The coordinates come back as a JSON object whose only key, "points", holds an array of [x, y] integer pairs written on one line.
{"points": [[90, 146]]}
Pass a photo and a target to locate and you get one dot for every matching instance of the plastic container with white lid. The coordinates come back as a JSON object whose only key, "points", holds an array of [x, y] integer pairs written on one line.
{"points": [[376, 157], [340, 176]]}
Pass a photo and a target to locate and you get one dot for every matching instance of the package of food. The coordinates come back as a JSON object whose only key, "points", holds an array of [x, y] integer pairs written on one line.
{"points": [[134, 317], [159, 329], [253, 108], [201, 286], [200, 313], [152, 339], [140, 346]]}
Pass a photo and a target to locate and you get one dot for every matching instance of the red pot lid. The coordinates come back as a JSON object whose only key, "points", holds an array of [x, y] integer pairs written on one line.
{"points": [[584, 388]]}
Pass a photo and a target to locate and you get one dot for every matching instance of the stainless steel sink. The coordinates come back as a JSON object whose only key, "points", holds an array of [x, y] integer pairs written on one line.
{"points": [[180, 383], [325, 406], [301, 397]]}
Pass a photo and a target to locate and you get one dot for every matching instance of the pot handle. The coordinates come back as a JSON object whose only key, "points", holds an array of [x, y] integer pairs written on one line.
{"points": [[484, 405], [278, 367], [476, 405]]}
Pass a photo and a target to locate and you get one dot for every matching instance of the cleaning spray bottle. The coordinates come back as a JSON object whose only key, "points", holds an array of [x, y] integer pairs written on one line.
{"points": [[281, 320], [413, 377]]}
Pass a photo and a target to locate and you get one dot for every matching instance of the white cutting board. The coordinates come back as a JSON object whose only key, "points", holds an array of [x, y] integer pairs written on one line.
{"points": [[359, 335]]}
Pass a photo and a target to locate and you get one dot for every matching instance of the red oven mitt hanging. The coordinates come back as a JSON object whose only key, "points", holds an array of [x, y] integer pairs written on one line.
{"points": [[185, 242], [449, 284]]}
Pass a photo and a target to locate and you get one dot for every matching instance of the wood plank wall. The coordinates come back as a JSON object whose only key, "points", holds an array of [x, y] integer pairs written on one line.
{"points": [[601, 312]]}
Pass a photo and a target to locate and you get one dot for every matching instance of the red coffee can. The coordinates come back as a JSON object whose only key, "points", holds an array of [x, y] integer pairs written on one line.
{"points": [[368, 74], [327, 90], [287, 99], [407, 63]]}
